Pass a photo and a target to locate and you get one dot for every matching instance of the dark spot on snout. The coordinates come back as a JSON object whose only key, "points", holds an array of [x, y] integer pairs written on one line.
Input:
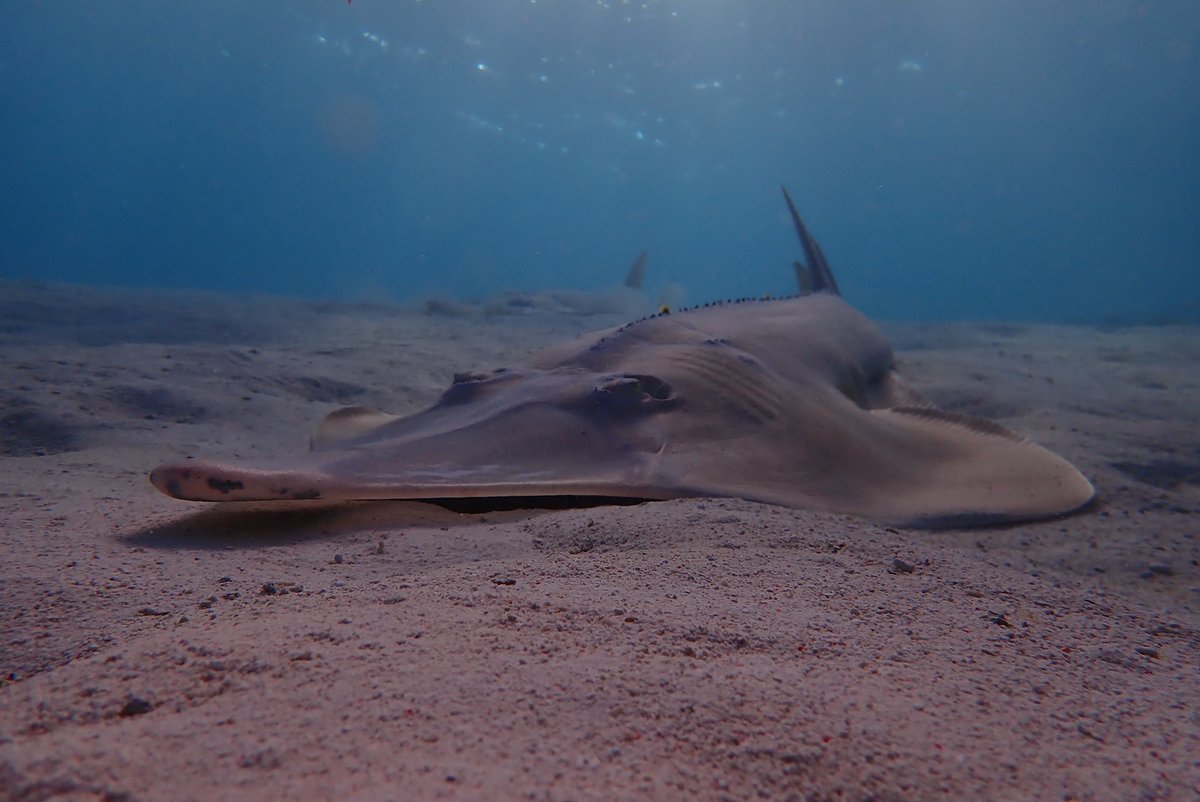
{"points": [[224, 485]]}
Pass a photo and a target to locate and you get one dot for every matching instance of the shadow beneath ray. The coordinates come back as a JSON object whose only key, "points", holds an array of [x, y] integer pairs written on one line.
{"points": [[254, 524], [250, 524]]}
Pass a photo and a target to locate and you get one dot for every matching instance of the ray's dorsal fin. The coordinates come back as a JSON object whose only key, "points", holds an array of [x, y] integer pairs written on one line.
{"points": [[803, 278], [637, 273], [820, 276], [342, 424]]}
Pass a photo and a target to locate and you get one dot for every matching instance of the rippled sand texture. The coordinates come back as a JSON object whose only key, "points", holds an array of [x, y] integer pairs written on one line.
{"points": [[697, 649]]}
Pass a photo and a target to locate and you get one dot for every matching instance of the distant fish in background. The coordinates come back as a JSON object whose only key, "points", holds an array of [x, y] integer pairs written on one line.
{"points": [[628, 300]]}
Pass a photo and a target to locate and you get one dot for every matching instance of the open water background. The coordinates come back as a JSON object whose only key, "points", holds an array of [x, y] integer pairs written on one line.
{"points": [[1016, 160]]}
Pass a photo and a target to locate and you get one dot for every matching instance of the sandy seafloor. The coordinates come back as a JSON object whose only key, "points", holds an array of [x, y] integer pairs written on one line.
{"points": [[692, 649]]}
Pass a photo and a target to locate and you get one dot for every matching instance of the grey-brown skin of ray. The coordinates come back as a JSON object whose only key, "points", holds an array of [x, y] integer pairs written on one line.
{"points": [[792, 401]]}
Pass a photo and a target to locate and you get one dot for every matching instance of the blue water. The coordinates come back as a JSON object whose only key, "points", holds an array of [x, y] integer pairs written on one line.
{"points": [[1019, 160]]}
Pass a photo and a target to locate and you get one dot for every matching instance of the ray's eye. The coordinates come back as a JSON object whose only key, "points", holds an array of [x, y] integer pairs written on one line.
{"points": [[469, 386], [652, 386], [633, 390]]}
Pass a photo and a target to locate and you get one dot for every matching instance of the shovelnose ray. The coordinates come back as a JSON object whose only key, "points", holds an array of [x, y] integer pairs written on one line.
{"points": [[628, 299], [793, 401]]}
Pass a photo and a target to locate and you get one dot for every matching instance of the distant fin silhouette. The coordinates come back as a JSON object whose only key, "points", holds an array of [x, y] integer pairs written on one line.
{"points": [[637, 273]]}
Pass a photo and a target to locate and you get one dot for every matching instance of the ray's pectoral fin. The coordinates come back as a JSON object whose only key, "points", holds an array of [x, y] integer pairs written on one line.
{"points": [[904, 466], [964, 471]]}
